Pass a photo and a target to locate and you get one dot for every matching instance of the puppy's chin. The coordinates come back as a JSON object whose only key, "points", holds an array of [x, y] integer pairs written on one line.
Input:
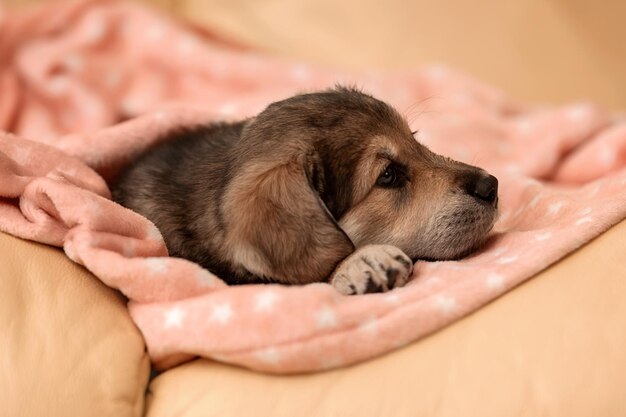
{"points": [[456, 237], [453, 253]]}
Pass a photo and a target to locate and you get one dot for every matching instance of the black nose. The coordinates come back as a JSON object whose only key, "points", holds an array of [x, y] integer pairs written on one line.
{"points": [[484, 188]]}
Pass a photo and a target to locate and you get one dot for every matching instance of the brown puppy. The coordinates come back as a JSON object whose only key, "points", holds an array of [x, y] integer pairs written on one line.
{"points": [[329, 186]]}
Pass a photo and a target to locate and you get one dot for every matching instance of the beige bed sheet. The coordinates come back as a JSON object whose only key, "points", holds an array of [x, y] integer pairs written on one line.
{"points": [[67, 344]]}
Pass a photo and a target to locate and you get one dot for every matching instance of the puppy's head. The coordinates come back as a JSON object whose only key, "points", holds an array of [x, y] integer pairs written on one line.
{"points": [[319, 174]]}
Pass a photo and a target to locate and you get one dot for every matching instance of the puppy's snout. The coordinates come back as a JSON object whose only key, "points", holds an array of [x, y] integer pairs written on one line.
{"points": [[483, 188]]}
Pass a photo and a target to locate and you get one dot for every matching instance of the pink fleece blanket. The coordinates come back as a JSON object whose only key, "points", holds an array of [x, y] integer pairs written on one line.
{"points": [[70, 69]]}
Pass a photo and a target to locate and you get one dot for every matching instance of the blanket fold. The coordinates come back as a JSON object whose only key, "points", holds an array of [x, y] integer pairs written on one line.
{"points": [[73, 73]]}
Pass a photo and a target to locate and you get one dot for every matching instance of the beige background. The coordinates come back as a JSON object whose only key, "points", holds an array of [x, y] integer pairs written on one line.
{"points": [[559, 50]]}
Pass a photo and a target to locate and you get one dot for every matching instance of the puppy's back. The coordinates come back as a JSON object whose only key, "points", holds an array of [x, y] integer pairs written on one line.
{"points": [[178, 185]]}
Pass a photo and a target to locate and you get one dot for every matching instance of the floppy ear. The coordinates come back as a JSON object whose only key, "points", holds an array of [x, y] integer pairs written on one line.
{"points": [[278, 226]]}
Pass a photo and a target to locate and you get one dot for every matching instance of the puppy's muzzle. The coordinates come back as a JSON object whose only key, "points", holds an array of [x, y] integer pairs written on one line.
{"points": [[483, 187]]}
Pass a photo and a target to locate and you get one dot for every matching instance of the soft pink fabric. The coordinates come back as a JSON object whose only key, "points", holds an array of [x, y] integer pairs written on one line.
{"points": [[79, 67]]}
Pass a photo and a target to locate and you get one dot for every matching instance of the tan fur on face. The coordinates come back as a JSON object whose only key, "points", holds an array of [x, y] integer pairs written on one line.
{"points": [[372, 163], [419, 227]]}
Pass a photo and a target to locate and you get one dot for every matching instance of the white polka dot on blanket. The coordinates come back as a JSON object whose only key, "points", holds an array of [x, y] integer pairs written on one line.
{"points": [[579, 112], [222, 313], [265, 300], [494, 281], [458, 266], [535, 200], [519, 211], [445, 304], [156, 32], [532, 182], [300, 72], [425, 137], [94, 209], [228, 109], [206, 278], [504, 216], [132, 105], [173, 318], [219, 357], [507, 259], [554, 208], [595, 190], [583, 220], [95, 31], [435, 280], [330, 361], [514, 169], [524, 125], [437, 72], [160, 116], [153, 233], [400, 342], [392, 298], [369, 326], [157, 265], [269, 355], [540, 237], [496, 253], [70, 251], [607, 156], [326, 318]]}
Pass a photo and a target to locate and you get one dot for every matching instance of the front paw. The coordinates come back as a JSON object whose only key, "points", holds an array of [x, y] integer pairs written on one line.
{"points": [[372, 268]]}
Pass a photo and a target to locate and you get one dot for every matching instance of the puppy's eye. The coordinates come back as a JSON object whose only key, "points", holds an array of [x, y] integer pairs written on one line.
{"points": [[389, 178]]}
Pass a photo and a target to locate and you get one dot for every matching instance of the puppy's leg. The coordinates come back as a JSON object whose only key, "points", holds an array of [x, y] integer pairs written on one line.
{"points": [[372, 268]]}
